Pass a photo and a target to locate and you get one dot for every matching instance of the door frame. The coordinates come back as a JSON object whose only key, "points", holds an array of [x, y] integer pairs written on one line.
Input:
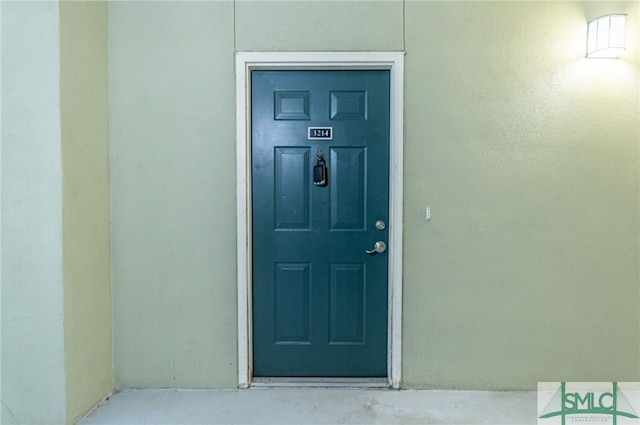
{"points": [[249, 61]]}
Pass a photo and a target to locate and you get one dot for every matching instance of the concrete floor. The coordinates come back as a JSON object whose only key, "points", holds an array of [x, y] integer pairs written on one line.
{"points": [[302, 406]]}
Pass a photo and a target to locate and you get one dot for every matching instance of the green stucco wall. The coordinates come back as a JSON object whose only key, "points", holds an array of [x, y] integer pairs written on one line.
{"points": [[85, 205], [56, 280], [33, 375], [527, 154], [173, 190]]}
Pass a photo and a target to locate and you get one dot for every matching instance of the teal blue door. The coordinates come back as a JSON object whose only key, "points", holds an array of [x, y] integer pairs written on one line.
{"points": [[320, 201]]}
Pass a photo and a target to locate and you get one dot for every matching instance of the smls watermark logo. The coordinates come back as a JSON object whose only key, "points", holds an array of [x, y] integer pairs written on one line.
{"points": [[561, 403]]}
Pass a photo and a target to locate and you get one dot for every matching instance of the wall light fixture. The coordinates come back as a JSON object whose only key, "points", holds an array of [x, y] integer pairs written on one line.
{"points": [[605, 36]]}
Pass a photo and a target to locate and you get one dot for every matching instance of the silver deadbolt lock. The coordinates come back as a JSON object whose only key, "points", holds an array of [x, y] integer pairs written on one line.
{"points": [[380, 225], [378, 248]]}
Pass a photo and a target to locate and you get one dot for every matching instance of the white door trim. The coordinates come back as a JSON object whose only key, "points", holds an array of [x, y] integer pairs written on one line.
{"points": [[245, 63]]}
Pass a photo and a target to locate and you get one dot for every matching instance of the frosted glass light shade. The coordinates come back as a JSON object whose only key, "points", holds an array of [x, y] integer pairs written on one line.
{"points": [[605, 36]]}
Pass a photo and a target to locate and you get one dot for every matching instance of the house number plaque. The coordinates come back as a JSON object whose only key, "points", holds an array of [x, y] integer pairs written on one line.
{"points": [[320, 133]]}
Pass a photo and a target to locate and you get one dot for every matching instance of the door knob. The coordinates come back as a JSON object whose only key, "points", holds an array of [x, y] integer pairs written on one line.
{"points": [[379, 247]]}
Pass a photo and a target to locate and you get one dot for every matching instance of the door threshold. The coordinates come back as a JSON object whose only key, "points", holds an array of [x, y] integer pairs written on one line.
{"points": [[319, 382]]}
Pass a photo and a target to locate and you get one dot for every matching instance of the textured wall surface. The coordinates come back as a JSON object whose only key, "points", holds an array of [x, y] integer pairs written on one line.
{"points": [[526, 152], [32, 278], [318, 25], [173, 193], [85, 197]]}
